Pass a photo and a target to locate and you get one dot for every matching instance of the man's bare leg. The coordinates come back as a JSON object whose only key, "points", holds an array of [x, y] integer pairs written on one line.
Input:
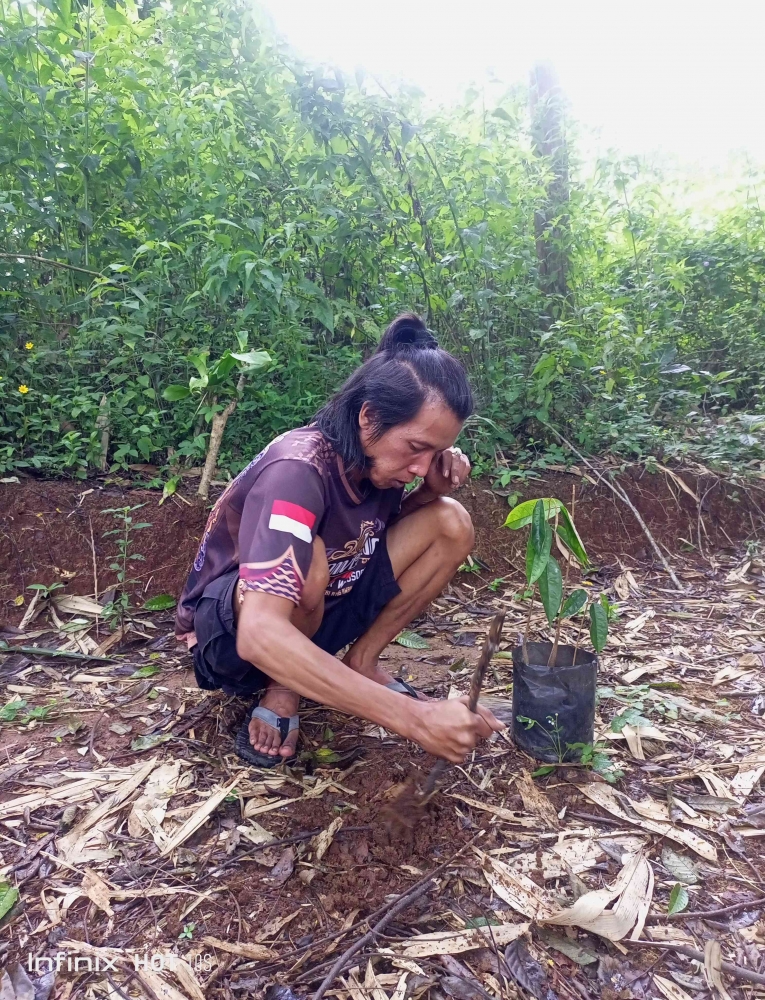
{"points": [[425, 548], [279, 699]]}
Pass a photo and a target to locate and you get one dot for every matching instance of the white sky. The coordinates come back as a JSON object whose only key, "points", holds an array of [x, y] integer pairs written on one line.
{"points": [[651, 76]]}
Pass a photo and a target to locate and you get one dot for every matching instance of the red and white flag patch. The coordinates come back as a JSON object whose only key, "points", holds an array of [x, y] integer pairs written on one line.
{"points": [[298, 521]]}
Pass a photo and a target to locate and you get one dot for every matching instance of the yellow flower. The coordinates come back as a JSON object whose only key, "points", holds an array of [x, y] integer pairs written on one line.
{"points": [[23, 389], [29, 345]]}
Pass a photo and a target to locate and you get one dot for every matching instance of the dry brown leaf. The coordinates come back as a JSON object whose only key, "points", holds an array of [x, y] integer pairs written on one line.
{"points": [[272, 927], [149, 809], [111, 640], [517, 889], [74, 841], [399, 993], [750, 769], [680, 482], [731, 673], [713, 967], [255, 952], [186, 977], [256, 834], [284, 867], [669, 935], [199, 818], [715, 784], [634, 889], [637, 624], [535, 801], [159, 986], [77, 791], [75, 604], [578, 854], [372, 984], [607, 799], [670, 990], [322, 842], [657, 667], [516, 818], [97, 891], [455, 942], [52, 909], [354, 987]]}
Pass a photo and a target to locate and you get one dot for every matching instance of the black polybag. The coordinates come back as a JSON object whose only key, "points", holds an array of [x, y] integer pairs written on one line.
{"points": [[559, 699]]}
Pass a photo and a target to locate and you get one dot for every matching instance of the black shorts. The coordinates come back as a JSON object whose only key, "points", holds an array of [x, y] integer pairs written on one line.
{"points": [[216, 661]]}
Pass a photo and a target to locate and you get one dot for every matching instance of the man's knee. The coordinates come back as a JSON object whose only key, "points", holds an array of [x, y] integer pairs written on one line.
{"points": [[455, 524]]}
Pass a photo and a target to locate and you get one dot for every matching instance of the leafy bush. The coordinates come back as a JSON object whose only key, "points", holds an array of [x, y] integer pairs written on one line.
{"points": [[169, 176]]}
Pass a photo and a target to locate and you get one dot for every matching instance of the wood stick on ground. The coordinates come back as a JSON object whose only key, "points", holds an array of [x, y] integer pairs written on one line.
{"points": [[93, 555], [399, 906], [59, 653], [737, 971], [701, 914], [617, 490]]}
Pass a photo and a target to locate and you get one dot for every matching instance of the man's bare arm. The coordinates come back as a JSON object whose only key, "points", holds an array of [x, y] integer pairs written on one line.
{"points": [[267, 638]]}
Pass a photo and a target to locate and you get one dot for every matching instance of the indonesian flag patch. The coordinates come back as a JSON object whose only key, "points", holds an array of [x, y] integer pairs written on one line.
{"points": [[298, 521]]}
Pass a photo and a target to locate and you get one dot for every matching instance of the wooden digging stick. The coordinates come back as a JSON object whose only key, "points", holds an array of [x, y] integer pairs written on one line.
{"points": [[489, 649]]}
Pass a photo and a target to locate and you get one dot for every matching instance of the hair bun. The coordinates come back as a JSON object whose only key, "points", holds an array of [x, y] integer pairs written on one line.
{"points": [[407, 331]]}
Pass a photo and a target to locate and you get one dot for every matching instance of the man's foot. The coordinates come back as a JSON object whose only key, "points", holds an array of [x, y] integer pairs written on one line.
{"points": [[379, 676], [266, 739]]}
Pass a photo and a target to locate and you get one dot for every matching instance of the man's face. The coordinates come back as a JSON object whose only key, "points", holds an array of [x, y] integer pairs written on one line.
{"points": [[405, 451]]}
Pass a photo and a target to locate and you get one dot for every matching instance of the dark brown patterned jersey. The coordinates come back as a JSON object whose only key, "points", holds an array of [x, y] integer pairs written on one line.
{"points": [[266, 519]]}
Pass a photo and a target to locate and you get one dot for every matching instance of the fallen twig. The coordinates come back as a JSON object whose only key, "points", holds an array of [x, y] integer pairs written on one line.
{"points": [[403, 903], [397, 907], [42, 651], [737, 971], [701, 914]]}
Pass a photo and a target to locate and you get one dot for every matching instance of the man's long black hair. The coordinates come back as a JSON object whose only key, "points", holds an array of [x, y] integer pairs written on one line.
{"points": [[407, 368]]}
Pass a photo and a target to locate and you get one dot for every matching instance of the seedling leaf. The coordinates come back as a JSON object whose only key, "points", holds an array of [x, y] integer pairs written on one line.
{"points": [[598, 627], [574, 603], [551, 589], [521, 515]]}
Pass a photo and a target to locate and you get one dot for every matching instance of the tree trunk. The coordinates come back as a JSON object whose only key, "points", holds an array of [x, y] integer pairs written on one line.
{"points": [[219, 422], [551, 219], [102, 424]]}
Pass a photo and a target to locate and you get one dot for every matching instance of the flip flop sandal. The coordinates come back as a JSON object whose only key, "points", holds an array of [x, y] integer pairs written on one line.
{"points": [[284, 724], [403, 687]]}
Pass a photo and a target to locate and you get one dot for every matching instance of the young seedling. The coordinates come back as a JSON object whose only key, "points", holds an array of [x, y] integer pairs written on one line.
{"points": [[543, 571], [117, 609]]}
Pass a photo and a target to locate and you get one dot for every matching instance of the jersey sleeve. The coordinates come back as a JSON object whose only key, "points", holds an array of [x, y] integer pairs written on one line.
{"points": [[280, 518]]}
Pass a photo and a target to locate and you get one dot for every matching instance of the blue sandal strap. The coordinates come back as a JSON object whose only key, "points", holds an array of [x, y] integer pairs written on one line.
{"points": [[283, 724], [402, 687]]}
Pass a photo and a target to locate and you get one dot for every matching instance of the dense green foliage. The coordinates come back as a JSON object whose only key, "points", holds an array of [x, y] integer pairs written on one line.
{"points": [[199, 183]]}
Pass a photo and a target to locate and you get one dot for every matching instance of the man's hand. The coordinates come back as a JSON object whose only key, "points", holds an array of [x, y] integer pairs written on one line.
{"points": [[449, 729], [448, 471]]}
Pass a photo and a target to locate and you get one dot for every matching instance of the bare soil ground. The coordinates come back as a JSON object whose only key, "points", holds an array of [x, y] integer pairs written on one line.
{"points": [[129, 829]]}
